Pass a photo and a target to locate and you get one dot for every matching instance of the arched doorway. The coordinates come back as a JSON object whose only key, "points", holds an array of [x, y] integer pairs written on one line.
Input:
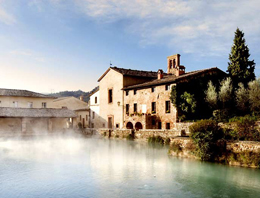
{"points": [[138, 126], [129, 125]]}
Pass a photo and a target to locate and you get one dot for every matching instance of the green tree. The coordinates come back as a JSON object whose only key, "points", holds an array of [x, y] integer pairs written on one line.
{"points": [[240, 68], [254, 95], [211, 95], [242, 98], [188, 103], [173, 96], [225, 92]]}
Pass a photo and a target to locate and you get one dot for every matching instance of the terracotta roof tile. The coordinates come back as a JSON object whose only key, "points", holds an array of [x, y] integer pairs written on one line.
{"points": [[131, 72], [23, 93], [172, 78]]}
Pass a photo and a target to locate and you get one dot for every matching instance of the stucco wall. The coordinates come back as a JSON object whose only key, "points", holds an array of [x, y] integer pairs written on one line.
{"points": [[112, 80], [19, 126], [98, 121], [84, 114], [69, 102], [7, 101]]}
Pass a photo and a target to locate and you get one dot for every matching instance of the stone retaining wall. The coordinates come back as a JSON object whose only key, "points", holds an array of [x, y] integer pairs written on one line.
{"points": [[146, 133], [240, 153], [244, 146], [181, 129]]}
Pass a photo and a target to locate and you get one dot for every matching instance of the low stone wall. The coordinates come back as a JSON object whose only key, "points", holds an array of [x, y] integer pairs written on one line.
{"points": [[118, 133], [89, 131], [142, 134], [146, 133], [184, 127], [244, 146]]}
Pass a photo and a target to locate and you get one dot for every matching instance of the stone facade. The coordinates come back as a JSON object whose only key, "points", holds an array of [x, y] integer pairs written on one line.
{"points": [[135, 99], [148, 117], [111, 94]]}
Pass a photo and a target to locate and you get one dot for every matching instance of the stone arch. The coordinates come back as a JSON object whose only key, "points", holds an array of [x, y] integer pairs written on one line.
{"points": [[129, 125], [138, 126]]}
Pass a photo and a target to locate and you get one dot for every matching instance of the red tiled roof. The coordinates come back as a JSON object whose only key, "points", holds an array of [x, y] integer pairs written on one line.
{"points": [[22, 93], [173, 79], [131, 72]]}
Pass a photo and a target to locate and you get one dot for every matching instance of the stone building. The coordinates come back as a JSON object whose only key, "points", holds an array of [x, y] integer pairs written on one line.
{"points": [[111, 94], [137, 99], [80, 107], [26, 111]]}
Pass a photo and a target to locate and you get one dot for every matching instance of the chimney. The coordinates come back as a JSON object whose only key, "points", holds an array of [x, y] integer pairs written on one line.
{"points": [[177, 72], [160, 74], [81, 98]]}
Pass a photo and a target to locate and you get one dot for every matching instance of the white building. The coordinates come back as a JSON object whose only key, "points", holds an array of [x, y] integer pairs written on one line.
{"points": [[95, 120]]}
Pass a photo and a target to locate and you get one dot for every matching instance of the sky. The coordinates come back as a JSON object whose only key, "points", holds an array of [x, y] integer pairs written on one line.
{"points": [[56, 45]]}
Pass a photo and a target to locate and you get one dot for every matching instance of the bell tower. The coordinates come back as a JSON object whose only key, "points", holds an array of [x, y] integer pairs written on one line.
{"points": [[174, 66]]}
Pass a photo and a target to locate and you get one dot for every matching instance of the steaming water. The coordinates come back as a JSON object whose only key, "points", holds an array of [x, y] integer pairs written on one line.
{"points": [[86, 167]]}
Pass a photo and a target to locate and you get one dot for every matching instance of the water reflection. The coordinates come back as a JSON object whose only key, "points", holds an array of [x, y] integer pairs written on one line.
{"points": [[92, 167]]}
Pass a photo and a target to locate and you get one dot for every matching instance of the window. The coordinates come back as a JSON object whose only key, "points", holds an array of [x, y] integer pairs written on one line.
{"points": [[104, 125], [44, 105], [135, 107], [168, 125], [110, 96], [152, 89], [153, 107], [93, 115], [167, 87], [30, 105], [86, 117], [15, 103], [126, 93], [92, 125], [95, 100], [167, 107], [135, 92], [79, 117], [117, 125], [127, 108]]}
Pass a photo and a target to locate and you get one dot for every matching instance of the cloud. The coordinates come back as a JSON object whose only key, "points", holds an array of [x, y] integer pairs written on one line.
{"points": [[204, 27], [187, 25], [5, 16], [21, 52], [28, 53]]}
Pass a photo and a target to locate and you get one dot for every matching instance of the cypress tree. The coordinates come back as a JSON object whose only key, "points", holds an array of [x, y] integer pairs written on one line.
{"points": [[240, 68]]}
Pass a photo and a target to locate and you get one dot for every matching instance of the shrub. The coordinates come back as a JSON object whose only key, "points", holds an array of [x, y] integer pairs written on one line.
{"points": [[245, 128], [130, 137], [117, 136], [175, 147], [248, 158], [205, 134], [155, 140], [167, 141], [221, 115]]}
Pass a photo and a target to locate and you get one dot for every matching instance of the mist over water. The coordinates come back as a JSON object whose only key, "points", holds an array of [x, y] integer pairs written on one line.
{"points": [[69, 165]]}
